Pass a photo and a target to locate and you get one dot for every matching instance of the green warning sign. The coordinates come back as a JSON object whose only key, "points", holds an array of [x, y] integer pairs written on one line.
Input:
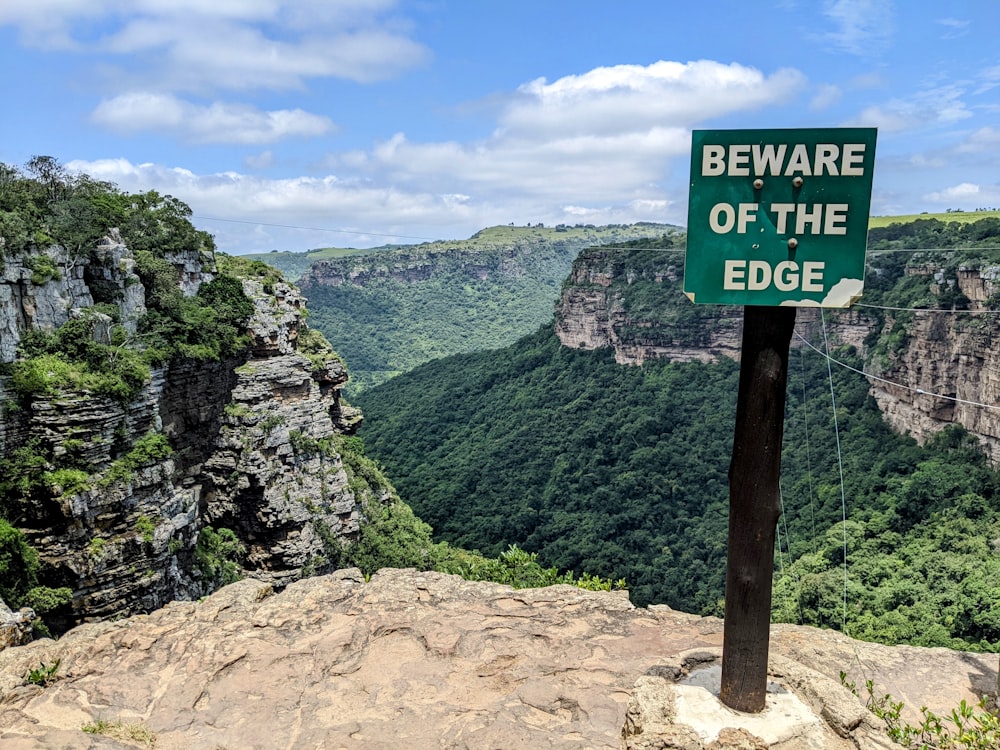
{"points": [[779, 217]]}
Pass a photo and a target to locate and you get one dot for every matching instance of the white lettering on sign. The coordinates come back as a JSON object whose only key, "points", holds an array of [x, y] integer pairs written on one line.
{"points": [[818, 218], [757, 275], [773, 160]]}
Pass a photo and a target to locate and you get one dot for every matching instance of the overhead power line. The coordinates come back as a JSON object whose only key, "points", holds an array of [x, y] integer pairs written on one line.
{"points": [[928, 309]]}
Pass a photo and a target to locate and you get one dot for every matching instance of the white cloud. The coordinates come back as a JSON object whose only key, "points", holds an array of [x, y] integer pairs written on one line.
{"points": [[610, 134], [596, 147], [942, 105], [861, 27], [825, 97], [635, 97], [218, 122], [227, 44], [985, 140], [961, 192], [263, 160]]}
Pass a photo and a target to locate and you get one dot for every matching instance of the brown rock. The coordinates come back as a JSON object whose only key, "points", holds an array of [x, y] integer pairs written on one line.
{"points": [[408, 659]]}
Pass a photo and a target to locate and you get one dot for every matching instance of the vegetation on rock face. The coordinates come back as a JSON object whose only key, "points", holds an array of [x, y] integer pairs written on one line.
{"points": [[19, 575], [622, 471], [217, 557], [964, 728], [51, 223]]}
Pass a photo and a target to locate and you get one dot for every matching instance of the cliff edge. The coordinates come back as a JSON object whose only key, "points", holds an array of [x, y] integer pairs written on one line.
{"points": [[427, 660]]}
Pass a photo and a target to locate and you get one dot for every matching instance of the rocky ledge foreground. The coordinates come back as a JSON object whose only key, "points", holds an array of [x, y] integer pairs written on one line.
{"points": [[423, 660]]}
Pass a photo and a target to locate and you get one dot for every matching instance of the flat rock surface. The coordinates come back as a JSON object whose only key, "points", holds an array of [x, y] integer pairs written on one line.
{"points": [[425, 660]]}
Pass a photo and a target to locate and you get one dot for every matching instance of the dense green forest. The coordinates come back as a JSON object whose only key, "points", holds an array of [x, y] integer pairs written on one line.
{"points": [[622, 471]]}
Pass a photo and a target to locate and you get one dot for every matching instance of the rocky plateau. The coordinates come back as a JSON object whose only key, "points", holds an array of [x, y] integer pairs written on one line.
{"points": [[427, 660]]}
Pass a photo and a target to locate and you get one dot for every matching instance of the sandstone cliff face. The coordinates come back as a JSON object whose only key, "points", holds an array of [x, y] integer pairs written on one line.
{"points": [[594, 312], [945, 370], [242, 433]]}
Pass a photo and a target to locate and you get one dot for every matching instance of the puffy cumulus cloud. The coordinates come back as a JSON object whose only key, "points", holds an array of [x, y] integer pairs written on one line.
{"points": [[218, 122], [961, 191], [594, 167], [224, 55], [608, 136], [611, 145], [296, 213], [251, 213], [967, 195], [227, 43], [636, 97]]}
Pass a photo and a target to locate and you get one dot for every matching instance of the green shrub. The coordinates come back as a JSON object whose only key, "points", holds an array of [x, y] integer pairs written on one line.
{"points": [[145, 527], [43, 269], [44, 675], [150, 448], [964, 728], [70, 481], [217, 555], [19, 566]]}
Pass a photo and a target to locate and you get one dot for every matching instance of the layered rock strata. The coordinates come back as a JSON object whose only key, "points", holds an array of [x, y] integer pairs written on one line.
{"points": [[250, 444], [944, 370]]}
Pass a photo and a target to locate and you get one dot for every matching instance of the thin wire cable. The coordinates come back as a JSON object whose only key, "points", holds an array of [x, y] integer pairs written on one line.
{"points": [[928, 309], [781, 505], [840, 462], [932, 249], [921, 391], [805, 424]]}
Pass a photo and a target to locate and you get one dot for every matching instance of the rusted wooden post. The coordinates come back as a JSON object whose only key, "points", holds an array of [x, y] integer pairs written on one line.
{"points": [[754, 504]]}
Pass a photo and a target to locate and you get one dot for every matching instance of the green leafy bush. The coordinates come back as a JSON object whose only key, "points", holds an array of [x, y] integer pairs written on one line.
{"points": [[148, 449], [19, 566], [43, 675], [217, 556], [964, 728]]}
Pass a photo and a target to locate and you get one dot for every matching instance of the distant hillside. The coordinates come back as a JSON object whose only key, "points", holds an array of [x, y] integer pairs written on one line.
{"points": [[962, 217], [390, 309]]}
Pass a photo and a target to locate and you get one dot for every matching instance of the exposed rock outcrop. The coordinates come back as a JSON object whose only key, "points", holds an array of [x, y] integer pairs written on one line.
{"points": [[244, 443], [425, 660], [15, 627], [944, 370], [595, 312]]}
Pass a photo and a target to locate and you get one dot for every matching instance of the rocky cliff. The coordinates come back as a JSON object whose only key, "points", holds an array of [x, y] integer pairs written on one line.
{"points": [[426, 660], [928, 368], [122, 490], [939, 368]]}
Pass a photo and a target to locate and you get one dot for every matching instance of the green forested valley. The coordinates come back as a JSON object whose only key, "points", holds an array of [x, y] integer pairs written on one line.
{"points": [[393, 308], [621, 471]]}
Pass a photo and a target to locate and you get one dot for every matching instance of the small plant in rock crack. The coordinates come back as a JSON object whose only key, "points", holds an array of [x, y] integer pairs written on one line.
{"points": [[44, 675]]}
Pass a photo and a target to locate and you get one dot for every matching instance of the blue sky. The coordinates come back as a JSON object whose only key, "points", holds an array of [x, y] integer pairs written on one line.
{"points": [[296, 125]]}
